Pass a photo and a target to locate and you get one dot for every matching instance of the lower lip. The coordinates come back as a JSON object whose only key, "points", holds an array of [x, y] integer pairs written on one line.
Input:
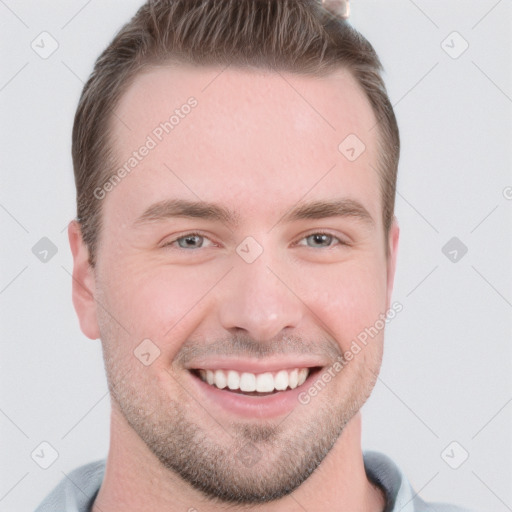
{"points": [[270, 406]]}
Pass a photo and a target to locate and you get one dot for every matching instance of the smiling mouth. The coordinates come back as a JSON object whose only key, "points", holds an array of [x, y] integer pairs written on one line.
{"points": [[255, 384]]}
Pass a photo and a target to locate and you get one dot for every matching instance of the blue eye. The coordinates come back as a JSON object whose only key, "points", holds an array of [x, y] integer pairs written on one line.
{"points": [[317, 240], [321, 240], [188, 241]]}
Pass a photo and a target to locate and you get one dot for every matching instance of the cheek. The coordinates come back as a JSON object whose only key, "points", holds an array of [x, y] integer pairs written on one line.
{"points": [[158, 301], [348, 300]]}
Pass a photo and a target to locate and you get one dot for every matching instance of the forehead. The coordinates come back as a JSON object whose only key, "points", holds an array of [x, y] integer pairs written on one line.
{"points": [[251, 135], [333, 102]]}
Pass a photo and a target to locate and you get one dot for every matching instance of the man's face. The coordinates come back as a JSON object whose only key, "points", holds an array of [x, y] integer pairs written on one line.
{"points": [[267, 286]]}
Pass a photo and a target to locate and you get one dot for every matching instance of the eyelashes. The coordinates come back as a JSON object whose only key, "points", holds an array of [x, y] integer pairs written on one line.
{"points": [[330, 236], [324, 236]]}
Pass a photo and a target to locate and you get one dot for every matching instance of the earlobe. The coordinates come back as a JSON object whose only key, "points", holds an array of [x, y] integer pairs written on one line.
{"points": [[83, 285], [394, 235]]}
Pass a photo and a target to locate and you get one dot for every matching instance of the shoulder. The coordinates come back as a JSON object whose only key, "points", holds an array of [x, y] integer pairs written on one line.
{"points": [[77, 490], [382, 471]]}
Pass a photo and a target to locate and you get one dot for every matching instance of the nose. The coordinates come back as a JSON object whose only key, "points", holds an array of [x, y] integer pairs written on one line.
{"points": [[258, 301]]}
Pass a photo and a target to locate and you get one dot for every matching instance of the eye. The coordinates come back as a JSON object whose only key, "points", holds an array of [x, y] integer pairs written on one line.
{"points": [[317, 240], [188, 241], [321, 240]]}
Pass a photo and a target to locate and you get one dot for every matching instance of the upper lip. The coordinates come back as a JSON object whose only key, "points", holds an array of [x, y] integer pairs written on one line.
{"points": [[252, 365]]}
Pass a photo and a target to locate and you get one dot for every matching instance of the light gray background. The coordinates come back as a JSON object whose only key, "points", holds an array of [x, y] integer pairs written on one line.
{"points": [[447, 366]]}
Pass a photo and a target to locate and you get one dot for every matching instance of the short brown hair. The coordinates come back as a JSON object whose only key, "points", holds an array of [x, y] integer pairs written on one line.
{"points": [[297, 36]]}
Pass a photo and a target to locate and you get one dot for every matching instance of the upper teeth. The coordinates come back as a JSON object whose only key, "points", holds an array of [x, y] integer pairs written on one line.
{"points": [[261, 382]]}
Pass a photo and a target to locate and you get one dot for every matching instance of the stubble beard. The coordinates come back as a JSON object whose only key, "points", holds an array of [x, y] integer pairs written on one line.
{"points": [[260, 462]]}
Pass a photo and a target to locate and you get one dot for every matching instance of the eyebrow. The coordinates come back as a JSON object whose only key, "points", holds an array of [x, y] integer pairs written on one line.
{"points": [[324, 209], [172, 208]]}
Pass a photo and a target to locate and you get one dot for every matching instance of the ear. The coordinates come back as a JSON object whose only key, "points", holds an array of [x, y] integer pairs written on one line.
{"points": [[83, 287], [394, 233]]}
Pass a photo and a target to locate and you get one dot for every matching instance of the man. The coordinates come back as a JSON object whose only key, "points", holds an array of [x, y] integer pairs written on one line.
{"points": [[235, 164]]}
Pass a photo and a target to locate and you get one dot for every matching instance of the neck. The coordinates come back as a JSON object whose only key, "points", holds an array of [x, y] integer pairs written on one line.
{"points": [[136, 481]]}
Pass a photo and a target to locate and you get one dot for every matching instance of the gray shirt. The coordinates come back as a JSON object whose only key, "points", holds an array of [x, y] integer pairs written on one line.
{"points": [[78, 492]]}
